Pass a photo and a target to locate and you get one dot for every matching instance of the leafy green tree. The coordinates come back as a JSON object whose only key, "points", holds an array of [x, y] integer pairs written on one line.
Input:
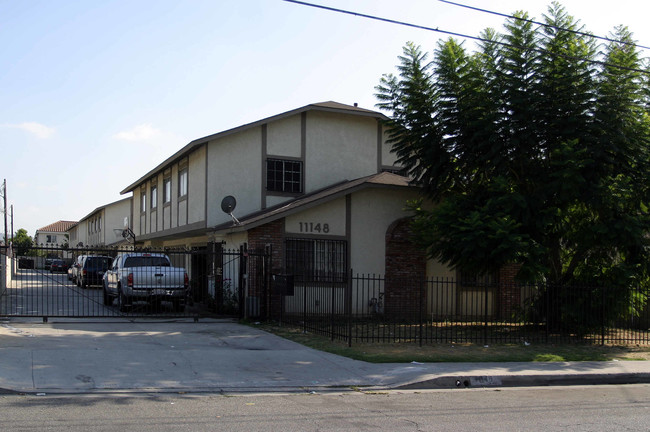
{"points": [[535, 149], [22, 242]]}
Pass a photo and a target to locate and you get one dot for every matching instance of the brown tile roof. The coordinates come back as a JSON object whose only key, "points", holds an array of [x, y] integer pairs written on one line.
{"points": [[60, 226]]}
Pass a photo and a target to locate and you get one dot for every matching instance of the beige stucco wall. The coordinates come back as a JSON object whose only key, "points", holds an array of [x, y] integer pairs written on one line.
{"points": [[79, 234], [174, 205], [373, 211], [338, 147], [114, 215], [182, 212], [196, 186], [235, 163], [166, 215], [231, 241], [178, 212], [327, 220], [136, 223], [275, 200], [283, 137], [41, 238], [387, 158], [96, 228]]}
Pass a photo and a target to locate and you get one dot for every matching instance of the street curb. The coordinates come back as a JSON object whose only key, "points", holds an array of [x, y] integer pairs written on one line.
{"points": [[483, 381], [439, 383]]}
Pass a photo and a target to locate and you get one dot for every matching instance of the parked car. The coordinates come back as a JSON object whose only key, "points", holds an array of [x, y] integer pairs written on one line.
{"points": [[58, 265], [76, 265], [48, 263], [146, 277], [70, 270], [92, 269]]}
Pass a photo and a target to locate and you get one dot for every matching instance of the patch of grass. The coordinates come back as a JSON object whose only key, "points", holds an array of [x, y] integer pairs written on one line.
{"points": [[412, 352]]}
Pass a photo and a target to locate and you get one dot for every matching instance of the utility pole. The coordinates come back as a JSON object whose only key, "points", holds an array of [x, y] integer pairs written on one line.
{"points": [[4, 196], [12, 223]]}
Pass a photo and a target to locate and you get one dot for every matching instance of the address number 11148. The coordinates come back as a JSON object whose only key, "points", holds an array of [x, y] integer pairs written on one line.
{"points": [[311, 227]]}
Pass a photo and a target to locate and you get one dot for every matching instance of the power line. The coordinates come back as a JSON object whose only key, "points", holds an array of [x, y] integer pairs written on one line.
{"points": [[438, 30], [388, 20], [578, 32]]}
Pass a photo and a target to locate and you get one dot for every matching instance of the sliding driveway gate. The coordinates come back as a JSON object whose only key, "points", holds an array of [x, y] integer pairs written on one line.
{"points": [[45, 283]]}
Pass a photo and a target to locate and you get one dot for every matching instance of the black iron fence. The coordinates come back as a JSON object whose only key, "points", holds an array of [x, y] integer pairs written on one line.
{"points": [[89, 282], [356, 308], [370, 308]]}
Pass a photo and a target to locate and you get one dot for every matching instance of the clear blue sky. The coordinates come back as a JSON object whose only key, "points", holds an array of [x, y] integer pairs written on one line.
{"points": [[93, 94]]}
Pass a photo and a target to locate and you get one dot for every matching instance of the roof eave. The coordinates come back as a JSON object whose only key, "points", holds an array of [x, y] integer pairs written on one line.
{"points": [[230, 228]]}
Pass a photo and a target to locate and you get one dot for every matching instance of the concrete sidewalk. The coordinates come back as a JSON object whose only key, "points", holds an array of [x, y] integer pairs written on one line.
{"points": [[82, 356]]}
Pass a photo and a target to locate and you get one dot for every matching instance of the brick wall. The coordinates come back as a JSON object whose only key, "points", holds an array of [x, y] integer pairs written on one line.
{"points": [[509, 296], [405, 270], [271, 234]]}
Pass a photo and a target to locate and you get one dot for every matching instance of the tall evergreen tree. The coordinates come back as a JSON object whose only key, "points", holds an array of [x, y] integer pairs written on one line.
{"points": [[534, 149]]}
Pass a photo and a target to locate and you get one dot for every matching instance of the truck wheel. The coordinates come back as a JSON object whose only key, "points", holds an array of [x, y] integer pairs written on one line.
{"points": [[123, 301], [107, 299], [178, 306]]}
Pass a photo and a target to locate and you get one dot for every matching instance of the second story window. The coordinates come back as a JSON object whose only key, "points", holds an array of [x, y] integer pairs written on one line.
{"points": [[167, 190], [143, 202], [283, 175], [182, 183], [154, 197]]}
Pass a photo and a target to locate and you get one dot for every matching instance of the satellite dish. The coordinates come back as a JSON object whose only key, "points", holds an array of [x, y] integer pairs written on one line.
{"points": [[228, 204]]}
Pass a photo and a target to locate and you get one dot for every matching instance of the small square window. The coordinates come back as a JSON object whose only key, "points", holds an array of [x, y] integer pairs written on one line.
{"points": [[283, 175]]}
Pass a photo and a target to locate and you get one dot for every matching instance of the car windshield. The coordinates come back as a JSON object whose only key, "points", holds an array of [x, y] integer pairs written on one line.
{"points": [[146, 261]]}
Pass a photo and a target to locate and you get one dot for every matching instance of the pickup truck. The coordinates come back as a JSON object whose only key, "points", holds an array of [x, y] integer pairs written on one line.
{"points": [[149, 277]]}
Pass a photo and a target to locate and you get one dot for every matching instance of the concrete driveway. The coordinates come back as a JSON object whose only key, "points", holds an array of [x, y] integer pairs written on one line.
{"points": [[179, 355]]}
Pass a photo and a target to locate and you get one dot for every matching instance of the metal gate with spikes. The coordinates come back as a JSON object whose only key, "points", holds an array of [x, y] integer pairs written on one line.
{"points": [[49, 283]]}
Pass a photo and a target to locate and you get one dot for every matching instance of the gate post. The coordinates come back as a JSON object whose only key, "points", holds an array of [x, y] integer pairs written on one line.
{"points": [[332, 306], [3, 265], [216, 270], [348, 307], [421, 297], [266, 279], [243, 288]]}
